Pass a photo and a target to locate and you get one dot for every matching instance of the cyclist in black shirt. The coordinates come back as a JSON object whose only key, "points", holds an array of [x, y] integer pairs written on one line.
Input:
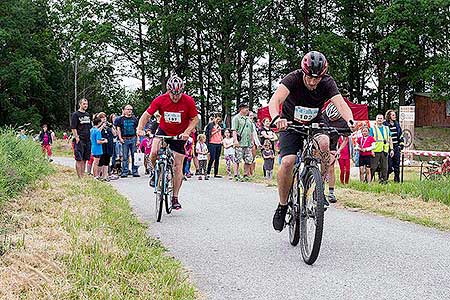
{"points": [[303, 94]]}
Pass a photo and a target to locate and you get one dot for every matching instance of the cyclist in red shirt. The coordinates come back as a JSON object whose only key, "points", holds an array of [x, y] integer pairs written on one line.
{"points": [[179, 118]]}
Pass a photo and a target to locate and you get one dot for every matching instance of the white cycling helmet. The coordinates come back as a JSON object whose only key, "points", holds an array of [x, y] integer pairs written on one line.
{"points": [[175, 85], [332, 112]]}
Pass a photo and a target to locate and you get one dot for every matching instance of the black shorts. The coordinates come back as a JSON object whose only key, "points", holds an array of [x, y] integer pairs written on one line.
{"points": [[365, 161], [82, 150], [334, 138], [174, 145], [290, 142], [104, 160]]}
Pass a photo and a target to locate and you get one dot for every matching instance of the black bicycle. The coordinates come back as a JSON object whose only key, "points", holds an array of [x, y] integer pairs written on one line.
{"points": [[164, 177], [305, 213]]}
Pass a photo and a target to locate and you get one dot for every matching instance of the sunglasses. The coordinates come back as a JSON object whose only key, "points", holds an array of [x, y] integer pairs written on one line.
{"points": [[179, 92], [315, 78]]}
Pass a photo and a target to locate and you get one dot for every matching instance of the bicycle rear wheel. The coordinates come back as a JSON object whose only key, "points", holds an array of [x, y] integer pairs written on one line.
{"points": [[293, 213], [311, 215], [159, 193]]}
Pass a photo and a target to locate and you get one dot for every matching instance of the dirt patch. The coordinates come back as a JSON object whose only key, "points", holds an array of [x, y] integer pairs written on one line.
{"points": [[431, 214]]}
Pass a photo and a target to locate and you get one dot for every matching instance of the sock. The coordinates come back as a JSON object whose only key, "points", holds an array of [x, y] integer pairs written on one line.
{"points": [[331, 190]]}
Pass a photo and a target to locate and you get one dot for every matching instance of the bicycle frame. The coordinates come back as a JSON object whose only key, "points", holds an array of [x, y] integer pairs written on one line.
{"points": [[164, 160], [306, 155], [306, 199]]}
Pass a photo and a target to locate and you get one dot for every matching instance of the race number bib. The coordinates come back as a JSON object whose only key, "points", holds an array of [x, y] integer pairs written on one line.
{"points": [[172, 117], [305, 114]]}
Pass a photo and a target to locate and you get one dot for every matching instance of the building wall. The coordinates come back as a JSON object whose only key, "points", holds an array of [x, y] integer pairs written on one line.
{"points": [[431, 113]]}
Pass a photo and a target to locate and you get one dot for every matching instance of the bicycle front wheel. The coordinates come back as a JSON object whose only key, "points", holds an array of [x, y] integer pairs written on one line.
{"points": [[169, 192], [159, 194], [311, 215], [293, 213]]}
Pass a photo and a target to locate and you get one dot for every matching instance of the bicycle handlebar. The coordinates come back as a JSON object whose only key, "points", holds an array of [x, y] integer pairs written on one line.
{"points": [[303, 129], [168, 137], [319, 127]]}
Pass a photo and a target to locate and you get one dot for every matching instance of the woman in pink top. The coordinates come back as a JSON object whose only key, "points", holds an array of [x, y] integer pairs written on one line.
{"points": [[146, 147], [366, 144], [344, 158], [215, 146]]}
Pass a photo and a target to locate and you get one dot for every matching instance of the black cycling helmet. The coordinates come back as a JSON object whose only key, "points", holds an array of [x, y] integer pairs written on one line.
{"points": [[314, 64]]}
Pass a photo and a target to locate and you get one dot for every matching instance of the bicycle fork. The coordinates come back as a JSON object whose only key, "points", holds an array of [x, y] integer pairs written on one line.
{"points": [[158, 168]]}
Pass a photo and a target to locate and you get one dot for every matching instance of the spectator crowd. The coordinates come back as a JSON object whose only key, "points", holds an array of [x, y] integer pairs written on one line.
{"points": [[112, 149]]}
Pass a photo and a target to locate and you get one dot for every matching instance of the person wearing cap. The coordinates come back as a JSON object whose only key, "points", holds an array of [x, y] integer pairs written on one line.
{"points": [[242, 128]]}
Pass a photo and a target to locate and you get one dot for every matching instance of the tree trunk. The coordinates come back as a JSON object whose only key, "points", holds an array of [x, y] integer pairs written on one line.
{"points": [[240, 70], [200, 76], [208, 85], [142, 58], [269, 75], [402, 85], [250, 82], [305, 21]]}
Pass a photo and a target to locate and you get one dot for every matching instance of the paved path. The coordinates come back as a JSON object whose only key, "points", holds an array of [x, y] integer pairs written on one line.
{"points": [[224, 236]]}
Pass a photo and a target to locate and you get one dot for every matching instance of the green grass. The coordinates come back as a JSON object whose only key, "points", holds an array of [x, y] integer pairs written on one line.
{"points": [[21, 163], [111, 255], [62, 148], [427, 190], [257, 177]]}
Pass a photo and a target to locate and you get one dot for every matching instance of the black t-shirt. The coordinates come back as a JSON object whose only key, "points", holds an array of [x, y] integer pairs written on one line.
{"points": [[303, 105], [81, 121]]}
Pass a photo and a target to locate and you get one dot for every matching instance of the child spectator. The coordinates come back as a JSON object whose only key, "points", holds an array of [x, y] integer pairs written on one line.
{"points": [[269, 158], [188, 153], [277, 147], [107, 147], [228, 152], [146, 148], [89, 164], [202, 154], [366, 144], [46, 140], [96, 144], [344, 158]]}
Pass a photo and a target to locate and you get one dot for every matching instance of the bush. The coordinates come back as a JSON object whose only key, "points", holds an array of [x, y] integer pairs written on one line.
{"points": [[21, 163]]}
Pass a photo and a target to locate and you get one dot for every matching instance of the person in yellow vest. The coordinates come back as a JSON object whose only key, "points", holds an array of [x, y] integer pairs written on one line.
{"points": [[383, 148]]}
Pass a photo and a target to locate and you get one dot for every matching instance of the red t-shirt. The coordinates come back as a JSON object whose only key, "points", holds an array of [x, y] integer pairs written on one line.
{"points": [[365, 142], [345, 152], [175, 117]]}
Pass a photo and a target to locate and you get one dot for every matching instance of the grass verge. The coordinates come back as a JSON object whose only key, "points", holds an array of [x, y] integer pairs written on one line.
{"points": [[81, 241], [422, 202], [62, 148], [427, 190], [21, 163], [406, 208]]}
